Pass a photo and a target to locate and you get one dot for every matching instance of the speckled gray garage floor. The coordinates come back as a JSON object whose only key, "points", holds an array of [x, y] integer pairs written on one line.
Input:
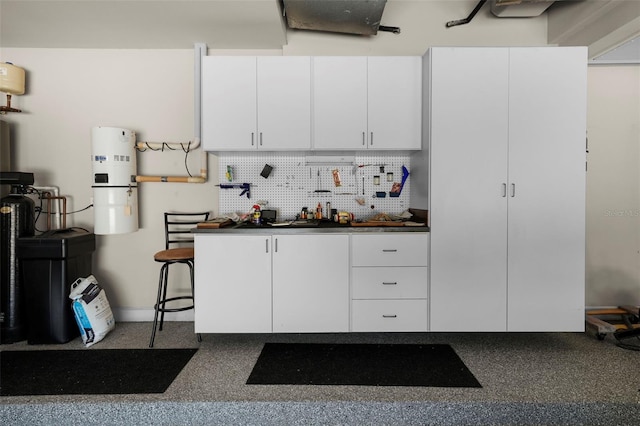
{"points": [[527, 378]]}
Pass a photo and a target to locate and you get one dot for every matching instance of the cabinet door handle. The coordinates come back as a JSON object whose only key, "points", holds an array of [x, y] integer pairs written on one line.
{"points": [[276, 247], [252, 136], [390, 283], [389, 250], [513, 190], [504, 190], [389, 316], [363, 141], [371, 139], [266, 247], [260, 138]]}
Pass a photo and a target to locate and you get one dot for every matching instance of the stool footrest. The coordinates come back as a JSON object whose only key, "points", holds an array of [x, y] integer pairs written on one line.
{"points": [[173, 299]]}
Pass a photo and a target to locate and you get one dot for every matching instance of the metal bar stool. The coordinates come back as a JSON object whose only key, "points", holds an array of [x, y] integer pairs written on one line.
{"points": [[178, 249]]}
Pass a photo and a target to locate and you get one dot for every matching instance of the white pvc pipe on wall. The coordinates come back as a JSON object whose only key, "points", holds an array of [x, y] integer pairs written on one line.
{"points": [[200, 50]]}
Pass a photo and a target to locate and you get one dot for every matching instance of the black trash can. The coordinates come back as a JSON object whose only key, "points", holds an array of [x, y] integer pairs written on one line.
{"points": [[50, 263]]}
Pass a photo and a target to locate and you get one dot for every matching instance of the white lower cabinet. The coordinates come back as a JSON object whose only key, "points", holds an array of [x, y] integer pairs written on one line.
{"points": [[310, 283], [271, 283], [389, 282], [232, 283], [389, 315]]}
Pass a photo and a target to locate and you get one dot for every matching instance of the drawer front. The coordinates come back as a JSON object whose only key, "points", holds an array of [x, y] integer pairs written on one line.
{"points": [[389, 315], [390, 249], [389, 283]]}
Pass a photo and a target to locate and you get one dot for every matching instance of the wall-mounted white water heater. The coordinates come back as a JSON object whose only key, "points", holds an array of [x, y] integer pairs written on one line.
{"points": [[115, 192]]}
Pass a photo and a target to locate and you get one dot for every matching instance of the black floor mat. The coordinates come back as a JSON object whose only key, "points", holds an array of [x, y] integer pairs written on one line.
{"points": [[361, 364], [93, 371]]}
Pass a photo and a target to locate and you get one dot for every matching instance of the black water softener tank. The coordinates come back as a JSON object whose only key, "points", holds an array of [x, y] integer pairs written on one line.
{"points": [[16, 220]]}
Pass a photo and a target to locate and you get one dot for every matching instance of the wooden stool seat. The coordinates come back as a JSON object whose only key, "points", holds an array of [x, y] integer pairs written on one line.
{"points": [[174, 255]]}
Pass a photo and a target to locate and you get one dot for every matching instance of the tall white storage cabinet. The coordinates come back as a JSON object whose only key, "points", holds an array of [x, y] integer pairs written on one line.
{"points": [[506, 133]]}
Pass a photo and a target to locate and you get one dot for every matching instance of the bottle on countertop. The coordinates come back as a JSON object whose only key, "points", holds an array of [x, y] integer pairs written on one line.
{"points": [[256, 219], [319, 211]]}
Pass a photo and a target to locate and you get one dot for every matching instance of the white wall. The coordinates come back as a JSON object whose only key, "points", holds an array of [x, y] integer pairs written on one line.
{"points": [[613, 186], [151, 92]]}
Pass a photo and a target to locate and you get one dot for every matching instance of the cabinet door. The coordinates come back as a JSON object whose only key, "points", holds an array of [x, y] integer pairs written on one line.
{"points": [[310, 283], [284, 102], [232, 284], [468, 172], [547, 133], [395, 102], [229, 103], [339, 102]]}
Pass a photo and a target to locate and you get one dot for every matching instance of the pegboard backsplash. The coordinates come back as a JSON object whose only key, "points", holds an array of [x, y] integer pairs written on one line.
{"points": [[293, 184]]}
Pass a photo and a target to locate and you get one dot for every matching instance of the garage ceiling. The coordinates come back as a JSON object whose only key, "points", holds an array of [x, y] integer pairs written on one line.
{"points": [[142, 24], [229, 24]]}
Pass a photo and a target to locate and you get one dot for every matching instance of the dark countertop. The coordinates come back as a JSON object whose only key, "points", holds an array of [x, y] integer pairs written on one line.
{"points": [[323, 227]]}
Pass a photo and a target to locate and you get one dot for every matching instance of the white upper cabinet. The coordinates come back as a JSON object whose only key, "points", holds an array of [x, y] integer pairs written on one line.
{"points": [[229, 115], [251, 103], [284, 103], [367, 103], [340, 102], [279, 103], [395, 102]]}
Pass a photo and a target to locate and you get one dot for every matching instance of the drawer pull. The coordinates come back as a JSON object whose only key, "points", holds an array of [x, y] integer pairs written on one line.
{"points": [[389, 250], [389, 283], [389, 316]]}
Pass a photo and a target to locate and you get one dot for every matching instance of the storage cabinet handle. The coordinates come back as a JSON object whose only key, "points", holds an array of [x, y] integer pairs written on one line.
{"points": [[513, 190], [390, 283], [371, 140], [276, 247], [363, 141], [266, 245], [389, 250], [252, 136], [260, 138], [389, 316], [504, 190]]}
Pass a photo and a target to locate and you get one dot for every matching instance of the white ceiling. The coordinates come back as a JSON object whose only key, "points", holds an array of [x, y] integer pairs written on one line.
{"points": [[627, 53], [142, 24], [168, 24]]}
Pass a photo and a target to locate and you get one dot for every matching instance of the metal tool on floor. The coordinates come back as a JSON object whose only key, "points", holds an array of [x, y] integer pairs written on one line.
{"points": [[623, 322]]}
